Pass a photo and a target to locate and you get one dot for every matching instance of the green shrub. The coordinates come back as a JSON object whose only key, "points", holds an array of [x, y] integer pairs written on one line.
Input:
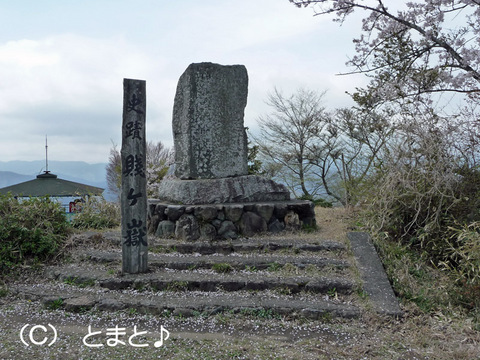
{"points": [[31, 230], [97, 213]]}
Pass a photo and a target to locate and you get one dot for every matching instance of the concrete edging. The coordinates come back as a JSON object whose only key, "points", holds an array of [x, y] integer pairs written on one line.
{"points": [[375, 280]]}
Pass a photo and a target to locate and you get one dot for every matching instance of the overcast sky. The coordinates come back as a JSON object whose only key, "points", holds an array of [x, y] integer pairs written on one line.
{"points": [[62, 64]]}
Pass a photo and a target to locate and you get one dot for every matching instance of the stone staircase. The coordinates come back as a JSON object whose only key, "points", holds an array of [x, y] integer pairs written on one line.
{"points": [[292, 275]]}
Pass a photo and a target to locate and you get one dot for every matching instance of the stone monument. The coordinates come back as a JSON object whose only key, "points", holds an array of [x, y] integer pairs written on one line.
{"points": [[209, 136], [212, 194]]}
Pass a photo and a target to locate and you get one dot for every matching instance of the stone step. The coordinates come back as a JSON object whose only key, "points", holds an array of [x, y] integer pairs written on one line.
{"points": [[201, 280], [260, 245], [187, 304], [235, 261]]}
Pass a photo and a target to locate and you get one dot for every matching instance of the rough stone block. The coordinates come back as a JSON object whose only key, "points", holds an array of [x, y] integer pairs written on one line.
{"points": [[221, 215], [174, 212], [187, 228], [276, 226], [160, 210], [251, 223], [227, 230], [304, 209], [154, 221], [234, 212], [280, 210], [165, 228], [206, 213], [208, 130], [265, 211], [292, 222], [208, 232], [78, 304]]}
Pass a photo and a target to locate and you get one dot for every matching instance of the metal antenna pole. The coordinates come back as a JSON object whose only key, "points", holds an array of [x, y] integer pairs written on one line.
{"points": [[46, 155]]}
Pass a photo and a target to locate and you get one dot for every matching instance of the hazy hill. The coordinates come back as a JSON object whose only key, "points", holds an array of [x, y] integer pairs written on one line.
{"points": [[8, 178]]}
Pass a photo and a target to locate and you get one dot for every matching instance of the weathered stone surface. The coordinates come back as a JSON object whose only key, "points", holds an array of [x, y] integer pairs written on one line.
{"points": [[208, 232], [165, 228], [160, 210], [265, 211], [110, 305], [276, 226], [152, 204], [304, 209], [154, 221], [234, 212], [217, 223], [187, 228], [174, 212], [251, 223], [81, 303], [292, 222], [206, 213], [183, 312], [220, 213], [208, 130], [227, 230], [239, 189], [281, 209]]}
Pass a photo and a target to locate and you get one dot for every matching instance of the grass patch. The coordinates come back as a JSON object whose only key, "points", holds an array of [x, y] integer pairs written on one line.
{"points": [[275, 266], [54, 304], [177, 286], [413, 279], [222, 268], [3, 292], [74, 281], [260, 313]]}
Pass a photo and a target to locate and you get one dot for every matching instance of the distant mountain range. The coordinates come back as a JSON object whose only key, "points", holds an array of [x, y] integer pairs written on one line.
{"points": [[14, 172]]}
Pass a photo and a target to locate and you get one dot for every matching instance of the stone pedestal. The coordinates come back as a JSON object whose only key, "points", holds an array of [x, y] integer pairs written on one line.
{"points": [[249, 188], [229, 220]]}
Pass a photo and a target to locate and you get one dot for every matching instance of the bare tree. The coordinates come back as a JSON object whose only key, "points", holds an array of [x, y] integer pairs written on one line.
{"points": [[356, 145], [287, 136], [317, 153]]}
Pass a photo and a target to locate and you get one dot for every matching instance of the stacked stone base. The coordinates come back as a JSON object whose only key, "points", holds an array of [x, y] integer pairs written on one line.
{"points": [[229, 220]]}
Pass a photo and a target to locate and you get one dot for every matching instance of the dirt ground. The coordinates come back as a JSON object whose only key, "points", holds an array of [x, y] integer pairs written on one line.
{"points": [[232, 336]]}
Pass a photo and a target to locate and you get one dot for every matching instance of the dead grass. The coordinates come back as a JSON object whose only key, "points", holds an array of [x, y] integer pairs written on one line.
{"points": [[334, 223]]}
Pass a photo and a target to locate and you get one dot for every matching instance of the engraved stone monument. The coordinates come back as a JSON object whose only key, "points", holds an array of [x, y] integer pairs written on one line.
{"points": [[210, 139], [212, 195]]}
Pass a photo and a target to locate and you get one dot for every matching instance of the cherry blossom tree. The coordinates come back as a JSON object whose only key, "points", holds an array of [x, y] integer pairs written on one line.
{"points": [[423, 59], [412, 48]]}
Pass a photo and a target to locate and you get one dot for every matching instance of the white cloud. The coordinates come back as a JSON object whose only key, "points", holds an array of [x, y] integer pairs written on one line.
{"points": [[67, 82]]}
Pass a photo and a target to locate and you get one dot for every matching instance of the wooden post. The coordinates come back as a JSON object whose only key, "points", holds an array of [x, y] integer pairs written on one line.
{"points": [[134, 181]]}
